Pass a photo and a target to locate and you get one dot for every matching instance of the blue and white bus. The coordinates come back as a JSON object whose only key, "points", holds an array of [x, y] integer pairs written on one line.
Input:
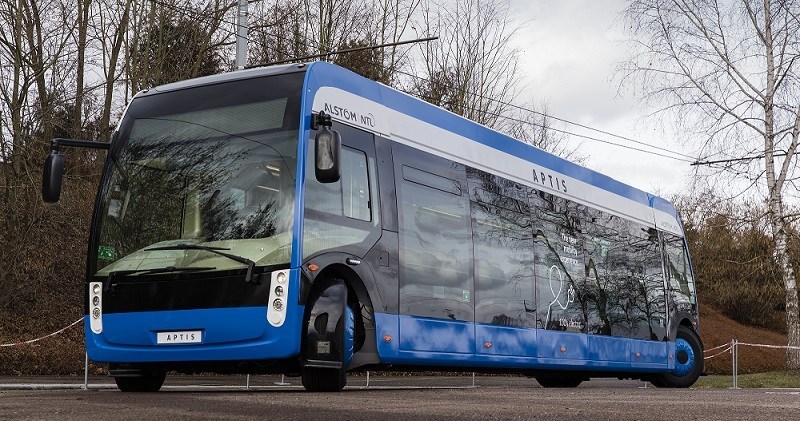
{"points": [[303, 220]]}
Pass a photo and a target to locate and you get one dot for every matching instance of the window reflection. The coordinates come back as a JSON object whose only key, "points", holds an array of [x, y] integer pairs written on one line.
{"points": [[435, 248], [503, 244]]}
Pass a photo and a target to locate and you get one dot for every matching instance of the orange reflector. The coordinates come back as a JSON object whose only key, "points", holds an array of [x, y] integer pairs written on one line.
{"points": [[312, 267], [488, 344], [563, 349], [387, 338], [638, 355]]}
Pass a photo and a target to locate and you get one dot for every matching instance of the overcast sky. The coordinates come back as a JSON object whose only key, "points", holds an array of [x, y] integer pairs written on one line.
{"points": [[570, 50]]}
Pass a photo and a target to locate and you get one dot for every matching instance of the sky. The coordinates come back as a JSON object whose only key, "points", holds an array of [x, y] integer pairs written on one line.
{"points": [[569, 54]]}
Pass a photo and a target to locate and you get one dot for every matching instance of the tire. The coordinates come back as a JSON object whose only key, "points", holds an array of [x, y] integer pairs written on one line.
{"points": [[149, 382], [324, 379], [560, 382], [688, 361]]}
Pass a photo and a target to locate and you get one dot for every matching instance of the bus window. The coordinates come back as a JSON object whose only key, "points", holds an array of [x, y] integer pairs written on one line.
{"points": [[435, 251], [503, 267], [341, 213], [558, 251], [679, 270]]}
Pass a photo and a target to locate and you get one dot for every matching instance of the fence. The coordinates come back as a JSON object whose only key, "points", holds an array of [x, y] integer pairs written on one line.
{"points": [[731, 347]]}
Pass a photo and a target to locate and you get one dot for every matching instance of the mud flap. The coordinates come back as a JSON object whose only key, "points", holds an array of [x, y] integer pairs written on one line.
{"points": [[329, 332]]}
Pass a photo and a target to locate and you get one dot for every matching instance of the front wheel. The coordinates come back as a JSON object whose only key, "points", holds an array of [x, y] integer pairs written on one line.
{"points": [[688, 361], [148, 382]]}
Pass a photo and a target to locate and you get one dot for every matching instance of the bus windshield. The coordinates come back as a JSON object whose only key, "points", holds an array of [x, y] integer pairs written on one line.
{"points": [[186, 174]]}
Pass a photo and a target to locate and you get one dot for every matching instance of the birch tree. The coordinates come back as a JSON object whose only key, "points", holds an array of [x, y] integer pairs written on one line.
{"points": [[729, 70]]}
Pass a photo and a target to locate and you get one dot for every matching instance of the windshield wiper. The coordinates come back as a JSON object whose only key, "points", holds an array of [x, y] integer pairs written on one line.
{"points": [[113, 276], [251, 265]]}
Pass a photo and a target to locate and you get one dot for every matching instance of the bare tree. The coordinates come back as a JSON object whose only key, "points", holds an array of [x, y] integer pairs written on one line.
{"points": [[471, 70], [35, 42], [729, 70]]}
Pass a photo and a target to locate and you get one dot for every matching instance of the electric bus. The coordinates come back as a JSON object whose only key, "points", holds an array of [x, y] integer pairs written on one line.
{"points": [[303, 220]]}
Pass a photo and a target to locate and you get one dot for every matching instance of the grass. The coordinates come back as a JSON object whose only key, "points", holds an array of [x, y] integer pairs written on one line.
{"points": [[772, 379]]}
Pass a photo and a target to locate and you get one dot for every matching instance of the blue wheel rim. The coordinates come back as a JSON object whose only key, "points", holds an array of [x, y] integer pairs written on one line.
{"points": [[683, 368], [349, 333]]}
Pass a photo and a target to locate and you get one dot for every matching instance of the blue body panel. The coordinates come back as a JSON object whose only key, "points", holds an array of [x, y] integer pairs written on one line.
{"points": [[513, 348], [237, 333]]}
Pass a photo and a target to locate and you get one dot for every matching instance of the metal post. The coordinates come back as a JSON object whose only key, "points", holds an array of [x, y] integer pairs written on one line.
{"points": [[283, 381], [473, 379], [735, 362], [367, 379], [248, 382], [86, 371], [241, 35]]}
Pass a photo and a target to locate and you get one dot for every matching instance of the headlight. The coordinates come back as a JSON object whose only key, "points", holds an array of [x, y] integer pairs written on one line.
{"points": [[277, 304], [96, 288], [96, 313], [96, 301], [281, 278], [279, 291]]}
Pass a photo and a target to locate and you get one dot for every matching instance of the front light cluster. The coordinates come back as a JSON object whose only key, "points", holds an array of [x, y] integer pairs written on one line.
{"points": [[96, 306], [279, 290]]}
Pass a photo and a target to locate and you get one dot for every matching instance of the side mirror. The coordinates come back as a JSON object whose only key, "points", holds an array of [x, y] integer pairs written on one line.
{"points": [[327, 150], [52, 176]]}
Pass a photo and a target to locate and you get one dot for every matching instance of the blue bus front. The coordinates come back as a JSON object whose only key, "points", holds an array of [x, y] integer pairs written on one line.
{"points": [[190, 258]]}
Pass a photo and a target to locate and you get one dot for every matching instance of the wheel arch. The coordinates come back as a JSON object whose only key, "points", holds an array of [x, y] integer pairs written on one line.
{"points": [[362, 298]]}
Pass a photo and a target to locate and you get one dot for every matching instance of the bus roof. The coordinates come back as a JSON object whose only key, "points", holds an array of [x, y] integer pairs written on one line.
{"points": [[323, 74]]}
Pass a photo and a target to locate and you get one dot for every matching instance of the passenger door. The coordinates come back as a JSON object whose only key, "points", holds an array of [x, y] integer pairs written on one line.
{"points": [[436, 302]]}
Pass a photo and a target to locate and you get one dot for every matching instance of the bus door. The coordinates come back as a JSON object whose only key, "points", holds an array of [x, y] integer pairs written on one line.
{"points": [[435, 289], [343, 216]]}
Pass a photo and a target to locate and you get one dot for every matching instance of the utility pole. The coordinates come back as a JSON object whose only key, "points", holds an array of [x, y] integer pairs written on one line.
{"points": [[241, 35]]}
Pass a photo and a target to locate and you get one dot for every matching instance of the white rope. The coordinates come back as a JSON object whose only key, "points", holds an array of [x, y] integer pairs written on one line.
{"points": [[717, 347], [43, 337], [769, 346], [724, 351]]}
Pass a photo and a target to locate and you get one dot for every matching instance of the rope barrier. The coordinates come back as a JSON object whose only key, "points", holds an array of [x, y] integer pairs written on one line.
{"points": [[769, 346], [728, 344], [42, 337], [724, 351]]}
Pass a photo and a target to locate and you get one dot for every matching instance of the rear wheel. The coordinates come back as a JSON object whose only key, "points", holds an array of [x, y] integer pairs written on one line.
{"points": [[688, 361], [148, 382], [564, 382]]}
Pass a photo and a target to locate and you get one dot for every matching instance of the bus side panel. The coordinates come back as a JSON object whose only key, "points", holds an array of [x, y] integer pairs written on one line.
{"points": [[424, 334], [505, 341], [563, 345], [643, 352], [608, 348]]}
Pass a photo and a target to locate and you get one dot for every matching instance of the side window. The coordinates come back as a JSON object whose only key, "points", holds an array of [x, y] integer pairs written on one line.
{"points": [[560, 271], [343, 213], [435, 247], [350, 196], [679, 270], [355, 184], [503, 241]]}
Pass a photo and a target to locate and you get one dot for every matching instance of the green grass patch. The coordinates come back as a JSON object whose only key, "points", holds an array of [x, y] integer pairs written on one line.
{"points": [[754, 380]]}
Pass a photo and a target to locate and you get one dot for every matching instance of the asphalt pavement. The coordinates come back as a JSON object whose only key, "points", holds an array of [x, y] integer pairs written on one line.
{"points": [[387, 397]]}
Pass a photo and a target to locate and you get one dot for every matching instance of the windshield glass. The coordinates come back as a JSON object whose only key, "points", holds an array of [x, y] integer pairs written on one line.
{"points": [[210, 166]]}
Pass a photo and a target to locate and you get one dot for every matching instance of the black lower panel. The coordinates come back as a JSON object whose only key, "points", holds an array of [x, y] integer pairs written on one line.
{"points": [[184, 292]]}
